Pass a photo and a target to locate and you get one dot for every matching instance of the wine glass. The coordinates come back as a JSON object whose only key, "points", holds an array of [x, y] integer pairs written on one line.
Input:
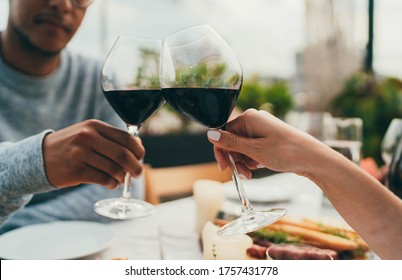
{"points": [[201, 78], [130, 82], [390, 142], [345, 135]]}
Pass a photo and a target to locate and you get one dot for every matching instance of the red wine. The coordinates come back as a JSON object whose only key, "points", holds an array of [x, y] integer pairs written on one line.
{"points": [[135, 106], [208, 106]]}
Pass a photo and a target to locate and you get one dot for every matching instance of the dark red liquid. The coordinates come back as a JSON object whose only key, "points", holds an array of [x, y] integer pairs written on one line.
{"points": [[135, 106], [208, 106]]}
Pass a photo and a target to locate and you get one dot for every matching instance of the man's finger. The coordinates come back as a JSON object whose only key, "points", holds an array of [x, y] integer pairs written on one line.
{"points": [[120, 137]]}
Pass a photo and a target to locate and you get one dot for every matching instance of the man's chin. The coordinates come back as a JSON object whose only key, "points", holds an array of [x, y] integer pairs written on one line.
{"points": [[47, 48], [50, 44], [51, 52], [45, 45]]}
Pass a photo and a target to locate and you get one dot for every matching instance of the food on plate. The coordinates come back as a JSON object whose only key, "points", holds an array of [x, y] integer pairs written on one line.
{"points": [[289, 251], [342, 243], [339, 242]]}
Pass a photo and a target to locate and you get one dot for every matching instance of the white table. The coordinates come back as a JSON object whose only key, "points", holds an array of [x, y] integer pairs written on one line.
{"points": [[139, 239]]}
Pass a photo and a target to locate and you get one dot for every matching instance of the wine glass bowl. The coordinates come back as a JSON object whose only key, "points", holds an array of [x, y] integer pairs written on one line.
{"points": [[345, 135], [391, 140], [130, 82], [201, 78], [389, 144], [200, 75]]}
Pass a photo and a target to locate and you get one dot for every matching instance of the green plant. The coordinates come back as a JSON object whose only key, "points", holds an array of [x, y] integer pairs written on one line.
{"points": [[145, 75], [206, 76], [274, 97], [376, 101]]}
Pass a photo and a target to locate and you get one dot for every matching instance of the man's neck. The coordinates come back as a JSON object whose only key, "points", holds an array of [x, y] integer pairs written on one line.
{"points": [[25, 59]]}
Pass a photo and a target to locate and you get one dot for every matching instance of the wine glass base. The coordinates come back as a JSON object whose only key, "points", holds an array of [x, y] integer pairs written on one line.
{"points": [[123, 208], [252, 221]]}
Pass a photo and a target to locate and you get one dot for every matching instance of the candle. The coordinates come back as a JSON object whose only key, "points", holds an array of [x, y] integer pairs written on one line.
{"points": [[216, 247], [209, 196]]}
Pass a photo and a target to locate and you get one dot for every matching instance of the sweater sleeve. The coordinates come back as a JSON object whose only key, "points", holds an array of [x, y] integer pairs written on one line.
{"points": [[22, 173]]}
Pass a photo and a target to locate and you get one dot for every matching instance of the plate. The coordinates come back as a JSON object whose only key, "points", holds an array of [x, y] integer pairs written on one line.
{"points": [[273, 188], [55, 241]]}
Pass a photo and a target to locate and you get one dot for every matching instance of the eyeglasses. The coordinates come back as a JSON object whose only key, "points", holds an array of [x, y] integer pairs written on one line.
{"points": [[81, 3]]}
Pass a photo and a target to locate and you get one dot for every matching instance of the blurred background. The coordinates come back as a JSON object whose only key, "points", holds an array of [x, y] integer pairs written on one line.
{"points": [[339, 56]]}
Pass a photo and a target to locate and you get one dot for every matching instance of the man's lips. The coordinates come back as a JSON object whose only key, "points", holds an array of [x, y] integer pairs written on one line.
{"points": [[54, 21]]}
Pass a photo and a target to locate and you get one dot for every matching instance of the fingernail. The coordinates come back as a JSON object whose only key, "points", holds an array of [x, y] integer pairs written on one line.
{"points": [[220, 168], [260, 166], [243, 177], [214, 135]]}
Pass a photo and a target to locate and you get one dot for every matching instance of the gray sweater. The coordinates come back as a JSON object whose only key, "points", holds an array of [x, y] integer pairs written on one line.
{"points": [[31, 107]]}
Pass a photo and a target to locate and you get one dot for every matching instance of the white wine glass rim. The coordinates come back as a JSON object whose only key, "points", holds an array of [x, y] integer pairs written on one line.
{"points": [[207, 28], [137, 37]]}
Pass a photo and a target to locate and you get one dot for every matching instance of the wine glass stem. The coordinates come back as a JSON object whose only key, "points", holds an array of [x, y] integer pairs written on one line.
{"points": [[133, 130], [246, 207], [126, 190], [386, 178]]}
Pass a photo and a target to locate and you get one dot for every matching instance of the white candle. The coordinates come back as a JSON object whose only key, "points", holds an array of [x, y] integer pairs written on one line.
{"points": [[209, 197], [216, 247]]}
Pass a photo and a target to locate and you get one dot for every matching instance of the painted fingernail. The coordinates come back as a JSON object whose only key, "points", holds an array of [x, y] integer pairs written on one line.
{"points": [[260, 166], [214, 135]]}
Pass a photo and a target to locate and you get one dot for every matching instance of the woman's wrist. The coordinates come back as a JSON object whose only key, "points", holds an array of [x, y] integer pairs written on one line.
{"points": [[319, 162]]}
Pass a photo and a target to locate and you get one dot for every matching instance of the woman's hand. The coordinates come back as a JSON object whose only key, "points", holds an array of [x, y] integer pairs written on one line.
{"points": [[257, 139]]}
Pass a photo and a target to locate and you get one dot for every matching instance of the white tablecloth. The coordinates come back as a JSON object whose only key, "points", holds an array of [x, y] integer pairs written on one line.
{"points": [[139, 239]]}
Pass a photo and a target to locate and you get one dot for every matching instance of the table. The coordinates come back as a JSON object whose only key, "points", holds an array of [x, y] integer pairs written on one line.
{"points": [[138, 239]]}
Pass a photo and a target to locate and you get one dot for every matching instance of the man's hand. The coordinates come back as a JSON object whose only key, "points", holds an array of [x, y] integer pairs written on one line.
{"points": [[91, 152]]}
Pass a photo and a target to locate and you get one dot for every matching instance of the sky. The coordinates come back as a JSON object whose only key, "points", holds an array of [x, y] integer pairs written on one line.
{"points": [[265, 34], [258, 38]]}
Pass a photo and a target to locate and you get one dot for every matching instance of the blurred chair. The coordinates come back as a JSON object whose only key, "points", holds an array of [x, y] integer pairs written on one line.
{"points": [[168, 183]]}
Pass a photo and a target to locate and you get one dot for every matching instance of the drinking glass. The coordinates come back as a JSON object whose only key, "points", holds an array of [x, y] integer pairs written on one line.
{"points": [[345, 135], [390, 142], [130, 82], [201, 78], [315, 123]]}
